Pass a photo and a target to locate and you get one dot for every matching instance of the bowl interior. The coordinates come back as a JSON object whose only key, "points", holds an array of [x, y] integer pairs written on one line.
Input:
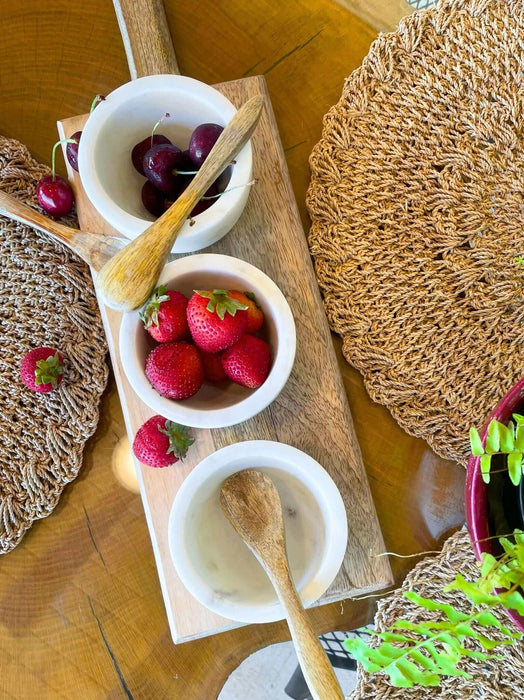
{"points": [[224, 395], [131, 122], [221, 559]]}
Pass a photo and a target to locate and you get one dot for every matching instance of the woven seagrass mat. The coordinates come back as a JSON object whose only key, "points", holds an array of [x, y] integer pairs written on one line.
{"points": [[416, 200], [501, 679], [46, 298]]}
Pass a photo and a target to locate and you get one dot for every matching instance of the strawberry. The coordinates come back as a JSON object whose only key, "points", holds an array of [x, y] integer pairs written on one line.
{"points": [[42, 369], [213, 370], [215, 319], [175, 370], [255, 317], [247, 362], [159, 442], [164, 315]]}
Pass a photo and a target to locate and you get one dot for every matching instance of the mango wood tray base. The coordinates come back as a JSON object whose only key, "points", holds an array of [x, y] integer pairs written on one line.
{"points": [[311, 413]]}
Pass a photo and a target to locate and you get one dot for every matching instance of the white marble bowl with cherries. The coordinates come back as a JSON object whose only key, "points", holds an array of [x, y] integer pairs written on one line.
{"points": [[124, 118]]}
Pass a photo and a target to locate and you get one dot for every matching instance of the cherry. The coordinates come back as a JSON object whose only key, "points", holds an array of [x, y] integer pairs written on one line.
{"points": [[55, 195], [53, 192], [153, 199], [159, 164], [141, 148], [202, 141], [74, 140], [72, 149]]}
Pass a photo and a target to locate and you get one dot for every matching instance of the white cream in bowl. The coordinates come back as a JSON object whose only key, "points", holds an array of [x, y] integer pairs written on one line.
{"points": [[210, 557]]}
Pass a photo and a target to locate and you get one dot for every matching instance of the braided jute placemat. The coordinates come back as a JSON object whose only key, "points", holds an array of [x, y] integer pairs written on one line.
{"points": [[416, 201], [46, 298], [501, 679]]}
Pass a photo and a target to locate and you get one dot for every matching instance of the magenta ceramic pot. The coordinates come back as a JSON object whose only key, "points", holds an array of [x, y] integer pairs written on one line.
{"points": [[476, 491]]}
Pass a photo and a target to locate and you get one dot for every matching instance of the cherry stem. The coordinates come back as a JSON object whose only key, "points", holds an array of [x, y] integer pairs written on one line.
{"points": [[53, 157], [230, 189], [96, 101], [185, 172], [164, 116]]}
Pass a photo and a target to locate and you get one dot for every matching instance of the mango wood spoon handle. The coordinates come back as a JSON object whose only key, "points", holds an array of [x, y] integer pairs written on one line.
{"points": [[94, 248], [127, 280], [251, 503]]}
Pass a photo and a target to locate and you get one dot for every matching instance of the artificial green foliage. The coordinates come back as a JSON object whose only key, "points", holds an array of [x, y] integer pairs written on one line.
{"points": [[419, 653], [501, 439]]}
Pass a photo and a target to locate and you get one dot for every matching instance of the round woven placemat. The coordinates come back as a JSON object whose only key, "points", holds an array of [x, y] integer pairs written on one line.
{"points": [[492, 680], [46, 298], [416, 201]]}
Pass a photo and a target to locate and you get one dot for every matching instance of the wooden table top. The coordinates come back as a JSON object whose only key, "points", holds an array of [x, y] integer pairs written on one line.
{"points": [[81, 613]]}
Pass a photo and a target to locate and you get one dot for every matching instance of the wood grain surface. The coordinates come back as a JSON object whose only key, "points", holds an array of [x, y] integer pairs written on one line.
{"points": [[81, 612], [146, 37], [311, 412]]}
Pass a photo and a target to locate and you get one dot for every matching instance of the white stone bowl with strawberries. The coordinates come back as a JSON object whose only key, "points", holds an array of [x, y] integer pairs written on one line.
{"points": [[201, 352]]}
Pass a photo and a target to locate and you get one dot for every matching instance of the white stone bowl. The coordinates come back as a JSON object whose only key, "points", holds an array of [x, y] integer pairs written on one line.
{"points": [[126, 117], [215, 565], [214, 406]]}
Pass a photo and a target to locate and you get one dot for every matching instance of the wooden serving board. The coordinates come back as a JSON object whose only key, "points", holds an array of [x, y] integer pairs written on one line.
{"points": [[311, 413]]}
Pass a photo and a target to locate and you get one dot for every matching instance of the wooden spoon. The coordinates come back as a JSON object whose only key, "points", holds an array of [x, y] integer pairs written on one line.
{"points": [[96, 249], [126, 281], [251, 503]]}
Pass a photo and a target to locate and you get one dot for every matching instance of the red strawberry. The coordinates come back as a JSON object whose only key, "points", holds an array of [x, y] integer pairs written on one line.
{"points": [[164, 315], [159, 442], [42, 369], [215, 319], [255, 317], [247, 362], [175, 370], [213, 370]]}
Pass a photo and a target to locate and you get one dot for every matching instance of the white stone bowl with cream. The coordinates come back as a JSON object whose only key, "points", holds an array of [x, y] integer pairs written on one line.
{"points": [[126, 117], [213, 562], [214, 406]]}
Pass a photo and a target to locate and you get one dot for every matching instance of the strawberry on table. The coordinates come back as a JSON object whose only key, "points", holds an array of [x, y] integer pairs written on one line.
{"points": [[215, 319], [160, 442], [175, 370], [255, 317], [164, 315], [213, 370], [42, 369], [247, 363]]}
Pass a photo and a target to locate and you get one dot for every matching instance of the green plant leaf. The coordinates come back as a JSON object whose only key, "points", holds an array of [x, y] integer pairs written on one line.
{"points": [[485, 466], [519, 437], [477, 448], [493, 437], [519, 420], [507, 437], [515, 467]]}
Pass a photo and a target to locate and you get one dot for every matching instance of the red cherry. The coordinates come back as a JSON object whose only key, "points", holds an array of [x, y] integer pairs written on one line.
{"points": [[153, 199], [72, 150], [55, 195], [139, 151]]}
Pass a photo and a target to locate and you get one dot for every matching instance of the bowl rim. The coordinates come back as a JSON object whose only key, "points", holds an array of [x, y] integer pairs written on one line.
{"points": [[190, 237], [259, 398], [288, 459]]}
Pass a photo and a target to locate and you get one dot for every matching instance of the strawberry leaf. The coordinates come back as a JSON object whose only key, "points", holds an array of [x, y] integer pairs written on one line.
{"points": [[47, 371], [221, 303], [149, 313], [179, 438]]}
